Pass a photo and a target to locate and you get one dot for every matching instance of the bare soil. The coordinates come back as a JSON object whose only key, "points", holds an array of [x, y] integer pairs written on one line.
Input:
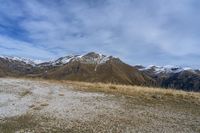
{"points": [[34, 106]]}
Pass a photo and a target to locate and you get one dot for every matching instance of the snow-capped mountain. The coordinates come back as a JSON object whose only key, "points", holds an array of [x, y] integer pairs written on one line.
{"points": [[89, 58], [94, 67], [95, 58], [58, 62], [165, 69], [173, 77], [66, 59], [20, 59]]}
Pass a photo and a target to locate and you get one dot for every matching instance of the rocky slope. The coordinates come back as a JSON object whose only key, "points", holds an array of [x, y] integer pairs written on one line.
{"points": [[174, 77], [95, 67], [13, 66]]}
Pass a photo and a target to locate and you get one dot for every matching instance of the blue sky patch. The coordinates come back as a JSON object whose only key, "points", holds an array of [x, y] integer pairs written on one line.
{"points": [[160, 32]]}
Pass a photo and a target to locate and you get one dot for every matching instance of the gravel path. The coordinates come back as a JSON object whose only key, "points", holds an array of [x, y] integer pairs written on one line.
{"points": [[39, 106]]}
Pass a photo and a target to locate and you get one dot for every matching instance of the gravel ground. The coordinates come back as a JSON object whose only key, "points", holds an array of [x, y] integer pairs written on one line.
{"points": [[39, 106]]}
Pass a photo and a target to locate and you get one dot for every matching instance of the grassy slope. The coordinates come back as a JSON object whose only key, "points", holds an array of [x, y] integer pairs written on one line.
{"points": [[130, 90], [135, 91]]}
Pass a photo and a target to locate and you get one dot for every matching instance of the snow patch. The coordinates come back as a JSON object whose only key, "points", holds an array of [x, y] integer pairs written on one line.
{"points": [[86, 58], [166, 69], [20, 59]]}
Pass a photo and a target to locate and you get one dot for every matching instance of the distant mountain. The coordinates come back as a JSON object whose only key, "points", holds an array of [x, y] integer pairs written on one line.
{"points": [[90, 58], [94, 67], [164, 69], [14, 66], [173, 77]]}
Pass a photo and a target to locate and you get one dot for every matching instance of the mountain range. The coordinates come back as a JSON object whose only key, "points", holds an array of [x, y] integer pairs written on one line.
{"points": [[94, 67]]}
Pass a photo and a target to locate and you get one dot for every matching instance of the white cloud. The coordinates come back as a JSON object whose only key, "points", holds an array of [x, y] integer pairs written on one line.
{"points": [[128, 29], [15, 47]]}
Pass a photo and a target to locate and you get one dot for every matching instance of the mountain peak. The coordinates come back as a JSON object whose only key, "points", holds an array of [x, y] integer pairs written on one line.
{"points": [[88, 58], [21, 59], [92, 54], [94, 58], [164, 69], [96, 67], [95, 55]]}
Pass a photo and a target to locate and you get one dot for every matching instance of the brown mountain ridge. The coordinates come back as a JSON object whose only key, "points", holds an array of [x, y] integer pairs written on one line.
{"points": [[94, 67]]}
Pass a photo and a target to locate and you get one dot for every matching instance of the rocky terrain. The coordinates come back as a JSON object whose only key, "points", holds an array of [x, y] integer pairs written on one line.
{"points": [[35, 106], [90, 67], [94, 67], [187, 79]]}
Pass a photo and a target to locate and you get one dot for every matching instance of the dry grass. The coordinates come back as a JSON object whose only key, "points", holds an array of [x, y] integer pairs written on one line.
{"points": [[61, 94], [44, 104], [139, 91], [37, 108], [24, 93], [31, 106], [14, 124], [129, 90], [130, 109]]}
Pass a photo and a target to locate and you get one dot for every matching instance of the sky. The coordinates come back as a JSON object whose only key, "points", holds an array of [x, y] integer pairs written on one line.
{"points": [[159, 32]]}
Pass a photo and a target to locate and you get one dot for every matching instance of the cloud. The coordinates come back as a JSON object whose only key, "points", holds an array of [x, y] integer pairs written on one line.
{"points": [[19, 48], [138, 31]]}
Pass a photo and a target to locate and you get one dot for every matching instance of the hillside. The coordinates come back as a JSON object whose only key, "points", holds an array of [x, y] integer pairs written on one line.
{"points": [[14, 67], [94, 67], [112, 70], [174, 77]]}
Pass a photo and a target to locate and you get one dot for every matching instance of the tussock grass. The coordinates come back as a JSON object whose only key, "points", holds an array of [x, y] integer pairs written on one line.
{"points": [[24, 93], [61, 94], [22, 124], [44, 104], [37, 108], [31, 106], [136, 91], [129, 90]]}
